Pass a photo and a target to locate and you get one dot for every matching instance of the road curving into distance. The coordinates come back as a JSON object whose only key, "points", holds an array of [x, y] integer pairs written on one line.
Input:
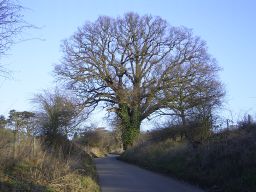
{"points": [[118, 176]]}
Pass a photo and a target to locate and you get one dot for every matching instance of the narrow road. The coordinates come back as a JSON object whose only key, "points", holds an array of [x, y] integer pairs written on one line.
{"points": [[117, 176]]}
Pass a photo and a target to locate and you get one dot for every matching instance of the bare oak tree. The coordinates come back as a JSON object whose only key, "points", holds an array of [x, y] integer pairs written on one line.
{"points": [[133, 64]]}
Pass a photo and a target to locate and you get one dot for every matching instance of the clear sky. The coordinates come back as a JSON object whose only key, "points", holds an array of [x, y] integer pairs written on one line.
{"points": [[228, 27]]}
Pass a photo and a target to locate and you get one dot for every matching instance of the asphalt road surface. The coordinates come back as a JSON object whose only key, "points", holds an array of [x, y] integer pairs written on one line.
{"points": [[117, 176]]}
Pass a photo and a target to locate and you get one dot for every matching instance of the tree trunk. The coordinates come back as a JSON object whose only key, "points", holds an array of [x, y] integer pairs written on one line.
{"points": [[130, 122], [183, 118], [15, 143], [184, 123]]}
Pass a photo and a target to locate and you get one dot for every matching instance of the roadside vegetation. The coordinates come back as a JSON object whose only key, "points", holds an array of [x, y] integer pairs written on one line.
{"points": [[37, 167], [225, 161], [36, 150]]}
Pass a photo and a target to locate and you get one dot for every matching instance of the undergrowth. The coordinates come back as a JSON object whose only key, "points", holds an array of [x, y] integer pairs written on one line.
{"points": [[37, 168], [224, 162]]}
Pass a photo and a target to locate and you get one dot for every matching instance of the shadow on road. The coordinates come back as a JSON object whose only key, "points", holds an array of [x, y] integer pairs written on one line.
{"points": [[117, 176]]}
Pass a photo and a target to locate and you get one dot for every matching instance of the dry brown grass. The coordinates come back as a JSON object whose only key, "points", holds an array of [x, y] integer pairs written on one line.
{"points": [[36, 169]]}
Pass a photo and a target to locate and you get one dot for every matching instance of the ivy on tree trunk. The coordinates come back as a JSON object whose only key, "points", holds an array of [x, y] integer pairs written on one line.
{"points": [[130, 122]]}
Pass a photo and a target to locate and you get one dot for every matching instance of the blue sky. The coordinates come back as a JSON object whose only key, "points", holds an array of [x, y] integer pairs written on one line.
{"points": [[227, 26]]}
